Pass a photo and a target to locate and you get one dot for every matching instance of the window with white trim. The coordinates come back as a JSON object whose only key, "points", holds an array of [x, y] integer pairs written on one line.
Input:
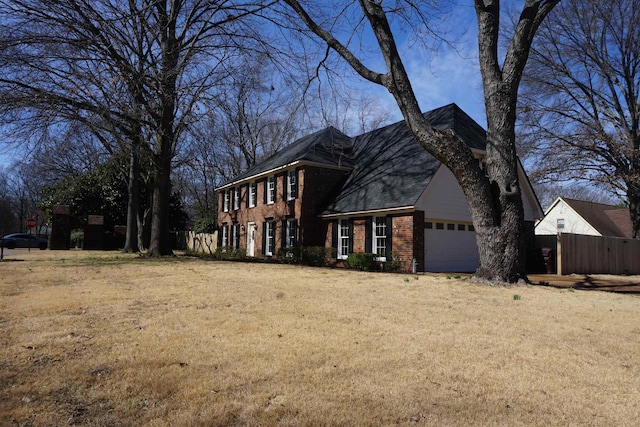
{"points": [[225, 201], [236, 198], [224, 241], [290, 233], [343, 238], [270, 233], [380, 237], [292, 185], [271, 190], [560, 223], [251, 196], [235, 236]]}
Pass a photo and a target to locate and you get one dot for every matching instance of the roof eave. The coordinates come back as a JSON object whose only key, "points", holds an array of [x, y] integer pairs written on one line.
{"points": [[401, 209], [280, 168]]}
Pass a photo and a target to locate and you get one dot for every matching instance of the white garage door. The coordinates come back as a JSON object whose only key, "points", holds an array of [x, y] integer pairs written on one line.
{"points": [[450, 247]]}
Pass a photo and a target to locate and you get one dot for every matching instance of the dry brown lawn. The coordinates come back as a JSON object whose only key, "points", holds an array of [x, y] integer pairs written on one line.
{"points": [[104, 339]]}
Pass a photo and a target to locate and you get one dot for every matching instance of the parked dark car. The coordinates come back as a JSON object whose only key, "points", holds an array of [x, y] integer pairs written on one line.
{"points": [[20, 240]]}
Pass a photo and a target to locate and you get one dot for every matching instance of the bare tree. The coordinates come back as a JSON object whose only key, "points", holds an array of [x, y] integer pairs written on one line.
{"points": [[494, 199], [581, 101], [140, 69]]}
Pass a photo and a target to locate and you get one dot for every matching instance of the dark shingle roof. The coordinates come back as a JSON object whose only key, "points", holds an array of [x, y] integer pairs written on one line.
{"points": [[328, 146], [392, 170], [611, 221]]}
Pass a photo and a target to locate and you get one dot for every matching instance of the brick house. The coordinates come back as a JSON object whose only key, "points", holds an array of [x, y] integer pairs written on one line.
{"points": [[379, 192]]}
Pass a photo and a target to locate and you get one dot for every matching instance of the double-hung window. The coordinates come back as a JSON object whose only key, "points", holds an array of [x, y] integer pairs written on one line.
{"points": [[235, 236], [225, 201], [236, 198], [343, 238], [290, 233], [251, 196], [269, 237], [380, 237], [224, 240], [292, 185], [271, 190]]}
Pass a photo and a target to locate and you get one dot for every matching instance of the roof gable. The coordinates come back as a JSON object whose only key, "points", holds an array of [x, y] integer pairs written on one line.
{"points": [[328, 146], [392, 170], [612, 221]]}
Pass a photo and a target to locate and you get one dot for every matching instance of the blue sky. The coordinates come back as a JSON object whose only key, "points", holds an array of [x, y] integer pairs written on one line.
{"points": [[451, 74], [438, 78]]}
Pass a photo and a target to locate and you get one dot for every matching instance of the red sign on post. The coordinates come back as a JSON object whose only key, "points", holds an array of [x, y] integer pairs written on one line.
{"points": [[31, 223]]}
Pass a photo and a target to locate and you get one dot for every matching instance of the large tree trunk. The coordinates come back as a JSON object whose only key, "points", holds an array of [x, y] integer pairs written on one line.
{"points": [[133, 202], [500, 229], [160, 243]]}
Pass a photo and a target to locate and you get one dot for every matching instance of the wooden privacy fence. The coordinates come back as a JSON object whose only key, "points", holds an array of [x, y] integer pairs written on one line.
{"points": [[580, 254], [201, 242]]}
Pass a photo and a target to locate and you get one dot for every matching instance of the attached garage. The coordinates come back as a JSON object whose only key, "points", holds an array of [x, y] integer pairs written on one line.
{"points": [[450, 247]]}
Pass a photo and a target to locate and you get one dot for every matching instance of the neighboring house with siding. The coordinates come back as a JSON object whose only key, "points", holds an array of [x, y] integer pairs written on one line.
{"points": [[379, 192], [581, 217]]}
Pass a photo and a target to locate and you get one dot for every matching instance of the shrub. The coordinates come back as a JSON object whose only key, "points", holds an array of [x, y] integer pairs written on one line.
{"points": [[77, 239], [289, 255], [362, 261], [393, 263], [317, 256], [226, 252]]}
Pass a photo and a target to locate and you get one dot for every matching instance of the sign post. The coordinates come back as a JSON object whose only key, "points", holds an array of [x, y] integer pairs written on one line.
{"points": [[31, 224]]}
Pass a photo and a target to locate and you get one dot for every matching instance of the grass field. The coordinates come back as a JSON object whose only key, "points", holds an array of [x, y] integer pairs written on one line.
{"points": [[104, 339]]}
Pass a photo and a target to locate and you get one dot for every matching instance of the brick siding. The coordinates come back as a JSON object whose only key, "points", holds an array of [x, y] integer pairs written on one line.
{"points": [[315, 187]]}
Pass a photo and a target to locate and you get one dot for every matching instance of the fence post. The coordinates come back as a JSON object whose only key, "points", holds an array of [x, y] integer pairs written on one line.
{"points": [[559, 254]]}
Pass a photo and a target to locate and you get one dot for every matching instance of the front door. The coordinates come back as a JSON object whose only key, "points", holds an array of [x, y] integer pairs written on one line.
{"points": [[251, 239]]}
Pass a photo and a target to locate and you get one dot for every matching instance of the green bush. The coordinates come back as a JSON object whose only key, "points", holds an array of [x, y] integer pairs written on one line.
{"points": [[77, 239], [226, 252], [362, 261], [393, 263], [289, 255], [317, 256], [204, 225]]}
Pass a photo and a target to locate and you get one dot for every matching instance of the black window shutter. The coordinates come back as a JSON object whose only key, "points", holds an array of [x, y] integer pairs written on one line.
{"points": [[295, 189], [246, 195], [294, 231], [275, 188], [350, 235], [264, 238], [284, 186], [264, 193], [389, 232], [283, 234], [368, 235], [334, 234]]}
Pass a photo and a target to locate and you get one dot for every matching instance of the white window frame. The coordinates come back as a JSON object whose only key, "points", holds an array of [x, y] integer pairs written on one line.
{"points": [[379, 240], [343, 239], [236, 198], [271, 190], [291, 185], [225, 201], [235, 229], [251, 194], [560, 223], [225, 236], [289, 234], [270, 238]]}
